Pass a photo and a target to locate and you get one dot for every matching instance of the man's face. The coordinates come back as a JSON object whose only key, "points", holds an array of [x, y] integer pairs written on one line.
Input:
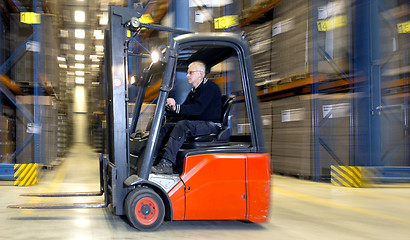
{"points": [[194, 75]]}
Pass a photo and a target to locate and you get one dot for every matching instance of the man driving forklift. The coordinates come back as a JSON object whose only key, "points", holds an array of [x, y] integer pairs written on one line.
{"points": [[201, 113]]}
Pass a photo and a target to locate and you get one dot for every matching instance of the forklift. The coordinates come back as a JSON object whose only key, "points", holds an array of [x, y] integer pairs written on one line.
{"points": [[221, 176]]}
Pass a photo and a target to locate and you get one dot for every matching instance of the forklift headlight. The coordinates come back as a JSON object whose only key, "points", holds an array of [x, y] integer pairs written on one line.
{"points": [[155, 56], [160, 54]]}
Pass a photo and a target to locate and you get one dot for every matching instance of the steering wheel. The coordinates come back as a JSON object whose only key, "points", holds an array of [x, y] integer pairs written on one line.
{"points": [[168, 109]]}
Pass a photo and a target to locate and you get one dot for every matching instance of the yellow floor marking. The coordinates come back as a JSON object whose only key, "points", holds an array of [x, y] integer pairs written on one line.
{"points": [[324, 202]]}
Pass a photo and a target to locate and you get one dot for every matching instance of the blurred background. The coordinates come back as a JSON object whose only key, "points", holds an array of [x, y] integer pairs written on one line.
{"points": [[332, 76]]}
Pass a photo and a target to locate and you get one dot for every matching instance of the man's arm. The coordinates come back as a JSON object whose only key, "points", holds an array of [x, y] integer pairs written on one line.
{"points": [[207, 97]]}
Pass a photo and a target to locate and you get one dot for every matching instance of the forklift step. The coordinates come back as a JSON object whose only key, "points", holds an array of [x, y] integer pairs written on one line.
{"points": [[64, 194], [58, 206]]}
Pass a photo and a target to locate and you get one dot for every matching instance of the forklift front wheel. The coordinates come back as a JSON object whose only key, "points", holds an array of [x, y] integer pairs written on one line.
{"points": [[144, 209]]}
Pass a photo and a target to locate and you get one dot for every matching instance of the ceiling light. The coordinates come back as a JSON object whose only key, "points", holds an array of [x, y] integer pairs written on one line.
{"points": [[98, 34], [61, 59], [99, 48], [79, 33], [79, 80], [63, 33], [96, 60], [93, 56], [104, 19], [79, 73], [79, 46], [79, 16], [79, 65], [95, 66], [62, 65], [79, 57]]}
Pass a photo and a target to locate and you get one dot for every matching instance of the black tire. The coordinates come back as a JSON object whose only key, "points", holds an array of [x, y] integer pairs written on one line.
{"points": [[145, 209]]}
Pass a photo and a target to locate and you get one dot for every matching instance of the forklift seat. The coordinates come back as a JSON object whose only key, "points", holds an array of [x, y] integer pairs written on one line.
{"points": [[214, 139]]}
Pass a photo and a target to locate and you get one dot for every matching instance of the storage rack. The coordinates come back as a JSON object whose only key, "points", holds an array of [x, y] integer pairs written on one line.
{"points": [[366, 87]]}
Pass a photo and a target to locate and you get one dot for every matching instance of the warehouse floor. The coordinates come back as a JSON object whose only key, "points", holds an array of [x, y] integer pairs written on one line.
{"points": [[300, 209]]}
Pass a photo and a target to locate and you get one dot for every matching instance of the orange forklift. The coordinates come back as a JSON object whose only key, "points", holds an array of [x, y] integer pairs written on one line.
{"points": [[222, 176]]}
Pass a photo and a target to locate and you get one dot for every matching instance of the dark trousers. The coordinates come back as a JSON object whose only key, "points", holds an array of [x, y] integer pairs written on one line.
{"points": [[178, 133]]}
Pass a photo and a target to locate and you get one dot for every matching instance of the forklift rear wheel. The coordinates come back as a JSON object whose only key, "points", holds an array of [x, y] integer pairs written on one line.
{"points": [[144, 209]]}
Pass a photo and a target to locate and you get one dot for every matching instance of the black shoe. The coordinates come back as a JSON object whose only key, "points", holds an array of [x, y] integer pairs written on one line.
{"points": [[163, 167]]}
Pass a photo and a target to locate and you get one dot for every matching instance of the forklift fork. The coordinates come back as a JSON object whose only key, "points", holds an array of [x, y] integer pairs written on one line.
{"points": [[103, 161]]}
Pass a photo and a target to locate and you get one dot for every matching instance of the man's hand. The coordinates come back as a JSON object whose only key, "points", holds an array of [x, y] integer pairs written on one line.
{"points": [[171, 102]]}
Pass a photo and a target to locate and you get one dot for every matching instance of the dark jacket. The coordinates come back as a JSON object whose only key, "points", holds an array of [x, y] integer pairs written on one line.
{"points": [[202, 103]]}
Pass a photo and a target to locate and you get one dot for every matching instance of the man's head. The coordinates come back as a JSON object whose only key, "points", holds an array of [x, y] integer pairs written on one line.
{"points": [[195, 73]]}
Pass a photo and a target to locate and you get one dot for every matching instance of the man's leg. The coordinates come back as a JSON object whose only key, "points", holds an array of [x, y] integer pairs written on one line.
{"points": [[181, 131], [163, 136]]}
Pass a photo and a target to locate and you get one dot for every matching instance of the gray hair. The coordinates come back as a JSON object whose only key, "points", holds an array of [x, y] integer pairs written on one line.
{"points": [[201, 65]]}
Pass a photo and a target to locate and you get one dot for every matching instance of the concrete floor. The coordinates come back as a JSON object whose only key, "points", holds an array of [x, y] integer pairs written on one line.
{"points": [[300, 209]]}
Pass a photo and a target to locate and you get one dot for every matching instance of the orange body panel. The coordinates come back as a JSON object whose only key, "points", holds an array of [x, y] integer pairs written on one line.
{"points": [[177, 196], [223, 186], [215, 186], [258, 186]]}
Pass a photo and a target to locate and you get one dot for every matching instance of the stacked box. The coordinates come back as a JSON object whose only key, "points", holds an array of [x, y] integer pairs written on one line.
{"points": [[292, 42], [62, 135], [97, 131], [202, 18], [22, 72], [146, 113], [239, 120], [47, 130], [335, 111], [335, 41], [267, 120], [7, 143], [260, 40], [290, 37], [291, 139], [292, 134]]}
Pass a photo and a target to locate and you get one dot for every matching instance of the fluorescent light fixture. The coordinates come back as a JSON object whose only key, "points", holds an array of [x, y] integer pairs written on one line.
{"points": [[98, 34], [79, 16], [79, 65], [99, 48], [93, 56], [95, 66], [96, 60], [79, 80], [95, 83], [79, 73], [63, 33], [79, 46], [104, 19], [62, 65], [61, 59], [79, 57], [79, 33]]}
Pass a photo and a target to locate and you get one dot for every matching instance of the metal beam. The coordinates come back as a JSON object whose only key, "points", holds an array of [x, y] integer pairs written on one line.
{"points": [[6, 66], [12, 98], [19, 6]]}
